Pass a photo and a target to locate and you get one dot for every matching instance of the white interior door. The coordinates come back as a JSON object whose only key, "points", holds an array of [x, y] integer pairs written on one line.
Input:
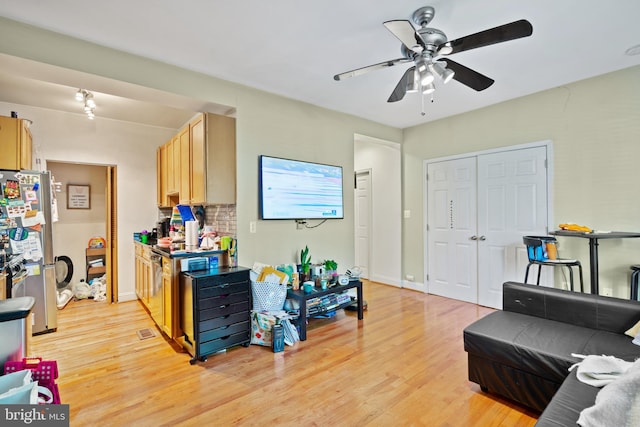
{"points": [[451, 228], [512, 202], [363, 221]]}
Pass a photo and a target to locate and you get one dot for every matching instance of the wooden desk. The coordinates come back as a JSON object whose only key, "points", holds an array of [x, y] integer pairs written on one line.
{"points": [[302, 299], [593, 249]]}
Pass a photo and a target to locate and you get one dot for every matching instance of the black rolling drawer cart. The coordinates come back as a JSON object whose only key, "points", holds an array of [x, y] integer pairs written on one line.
{"points": [[215, 310]]}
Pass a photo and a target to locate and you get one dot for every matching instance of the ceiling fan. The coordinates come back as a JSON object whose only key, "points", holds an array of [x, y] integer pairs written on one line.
{"points": [[426, 47]]}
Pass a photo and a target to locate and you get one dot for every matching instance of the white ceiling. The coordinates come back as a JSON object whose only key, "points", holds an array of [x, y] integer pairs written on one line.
{"points": [[293, 48]]}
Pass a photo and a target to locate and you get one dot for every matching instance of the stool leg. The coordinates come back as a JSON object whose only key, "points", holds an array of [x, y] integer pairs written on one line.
{"points": [[634, 284], [539, 273], [570, 277], [526, 273], [581, 281]]}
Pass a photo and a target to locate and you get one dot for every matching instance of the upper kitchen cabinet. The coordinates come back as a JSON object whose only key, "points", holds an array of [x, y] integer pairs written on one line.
{"points": [[219, 157], [184, 171], [15, 142], [201, 163]]}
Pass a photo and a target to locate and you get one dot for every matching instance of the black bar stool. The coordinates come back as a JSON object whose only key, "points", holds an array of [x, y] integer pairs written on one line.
{"points": [[635, 274], [536, 252]]}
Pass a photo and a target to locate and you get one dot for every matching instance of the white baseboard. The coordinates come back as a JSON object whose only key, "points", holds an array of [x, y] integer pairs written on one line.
{"points": [[127, 296], [386, 280], [415, 286]]}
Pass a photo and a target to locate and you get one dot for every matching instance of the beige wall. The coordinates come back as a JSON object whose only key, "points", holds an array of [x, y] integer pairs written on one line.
{"points": [[595, 129], [266, 124]]}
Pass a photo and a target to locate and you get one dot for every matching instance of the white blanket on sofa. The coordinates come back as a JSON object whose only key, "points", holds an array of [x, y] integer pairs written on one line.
{"points": [[599, 371], [618, 403]]}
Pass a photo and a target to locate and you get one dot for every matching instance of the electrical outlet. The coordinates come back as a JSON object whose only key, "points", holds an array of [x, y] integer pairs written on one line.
{"points": [[407, 213], [252, 226], [409, 277], [607, 292]]}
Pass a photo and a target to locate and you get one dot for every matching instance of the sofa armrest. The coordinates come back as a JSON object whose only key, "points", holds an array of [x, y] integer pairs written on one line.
{"points": [[590, 311]]}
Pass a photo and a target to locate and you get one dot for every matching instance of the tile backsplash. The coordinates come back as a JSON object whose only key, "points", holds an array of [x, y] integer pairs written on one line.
{"points": [[221, 217]]}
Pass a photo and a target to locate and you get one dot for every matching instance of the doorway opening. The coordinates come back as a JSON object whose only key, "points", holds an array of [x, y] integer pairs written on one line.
{"points": [[76, 227]]}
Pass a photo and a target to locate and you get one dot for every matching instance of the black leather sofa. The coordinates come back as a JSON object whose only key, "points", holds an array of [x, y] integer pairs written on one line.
{"points": [[523, 352]]}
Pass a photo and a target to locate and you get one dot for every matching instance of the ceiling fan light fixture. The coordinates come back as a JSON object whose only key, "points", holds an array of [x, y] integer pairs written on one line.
{"points": [[445, 49], [445, 74], [426, 77], [413, 83], [430, 88]]}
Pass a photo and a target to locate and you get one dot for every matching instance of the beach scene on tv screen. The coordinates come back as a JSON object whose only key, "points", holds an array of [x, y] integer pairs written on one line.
{"points": [[300, 190]]}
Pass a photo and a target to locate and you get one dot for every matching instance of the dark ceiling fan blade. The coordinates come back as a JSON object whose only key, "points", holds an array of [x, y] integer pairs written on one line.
{"points": [[468, 77], [360, 71], [503, 33], [401, 88], [405, 32]]}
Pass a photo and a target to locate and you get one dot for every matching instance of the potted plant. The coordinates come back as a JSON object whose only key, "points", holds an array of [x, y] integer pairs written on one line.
{"points": [[330, 267], [305, 264]]}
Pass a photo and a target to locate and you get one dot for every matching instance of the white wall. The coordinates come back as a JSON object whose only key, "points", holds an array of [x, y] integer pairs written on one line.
{"points": [[66, 137], [383, 159], [594, 127]]}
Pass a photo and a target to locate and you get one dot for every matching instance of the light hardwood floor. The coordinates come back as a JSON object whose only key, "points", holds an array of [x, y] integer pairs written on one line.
{"points": [[403, 365]]}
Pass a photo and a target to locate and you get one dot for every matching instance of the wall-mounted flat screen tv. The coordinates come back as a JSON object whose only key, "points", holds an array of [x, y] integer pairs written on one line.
{"points": [[294, 189]]}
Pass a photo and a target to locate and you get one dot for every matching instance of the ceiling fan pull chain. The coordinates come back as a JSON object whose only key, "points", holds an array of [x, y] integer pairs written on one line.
{"points": [[422, 102]]}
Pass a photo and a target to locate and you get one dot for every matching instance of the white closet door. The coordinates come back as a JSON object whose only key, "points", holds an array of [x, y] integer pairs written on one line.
{"points": [[452, 254], [363, 222], [512, 202]]}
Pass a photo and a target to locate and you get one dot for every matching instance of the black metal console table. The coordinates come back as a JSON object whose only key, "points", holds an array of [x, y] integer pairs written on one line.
{"points": [[302, 299]]}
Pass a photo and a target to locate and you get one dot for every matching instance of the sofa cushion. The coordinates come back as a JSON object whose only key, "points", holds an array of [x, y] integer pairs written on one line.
{"points": [[610, 344], [529, 343], [570, 399]]}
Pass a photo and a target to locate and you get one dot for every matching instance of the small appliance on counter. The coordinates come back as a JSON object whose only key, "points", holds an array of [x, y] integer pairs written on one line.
{"points": [[162, 227]]}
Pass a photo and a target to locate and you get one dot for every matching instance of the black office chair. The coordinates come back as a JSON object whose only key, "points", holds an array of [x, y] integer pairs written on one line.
{"points": [[536, 250]]}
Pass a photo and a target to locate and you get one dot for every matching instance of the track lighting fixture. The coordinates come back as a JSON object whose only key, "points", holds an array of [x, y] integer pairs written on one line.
{"points": [[86, 98]]}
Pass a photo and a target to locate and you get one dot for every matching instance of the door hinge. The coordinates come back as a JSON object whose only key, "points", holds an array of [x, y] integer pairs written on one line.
{"points": [[355, 181], [427, 277]]}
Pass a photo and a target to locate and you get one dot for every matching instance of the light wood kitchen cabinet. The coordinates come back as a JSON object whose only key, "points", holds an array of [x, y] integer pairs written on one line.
{"points": [[143, 272], [16, 143], [197, 187], [170, 300], [185, 166], [201, 163], [163, 161], [173, 166], [213, 160]]}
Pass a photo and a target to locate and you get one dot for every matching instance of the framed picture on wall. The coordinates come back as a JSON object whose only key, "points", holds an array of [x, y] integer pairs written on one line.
{"points": [[78, 196]]}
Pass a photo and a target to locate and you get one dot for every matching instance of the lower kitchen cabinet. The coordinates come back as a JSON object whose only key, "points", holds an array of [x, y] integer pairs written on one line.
{"points": [[214, 310], [143, 272]]}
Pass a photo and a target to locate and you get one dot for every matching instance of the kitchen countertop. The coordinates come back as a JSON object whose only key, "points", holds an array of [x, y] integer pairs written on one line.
{"points": [[214, 271], [180, 253]]}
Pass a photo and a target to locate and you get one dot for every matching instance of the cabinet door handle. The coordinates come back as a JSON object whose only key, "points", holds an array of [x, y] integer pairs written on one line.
{"points": [[473, 238], [482, 238]]}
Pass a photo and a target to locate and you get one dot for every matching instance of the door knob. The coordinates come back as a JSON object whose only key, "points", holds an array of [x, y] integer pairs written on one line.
{"points": [[482, 238], [473, 238]]}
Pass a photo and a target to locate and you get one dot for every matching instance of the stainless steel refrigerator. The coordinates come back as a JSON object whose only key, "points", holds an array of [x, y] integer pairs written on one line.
{"points": [[27, 205]]}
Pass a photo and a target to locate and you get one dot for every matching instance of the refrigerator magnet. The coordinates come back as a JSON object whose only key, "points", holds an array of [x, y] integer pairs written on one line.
{"points": [[31, 196]]}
